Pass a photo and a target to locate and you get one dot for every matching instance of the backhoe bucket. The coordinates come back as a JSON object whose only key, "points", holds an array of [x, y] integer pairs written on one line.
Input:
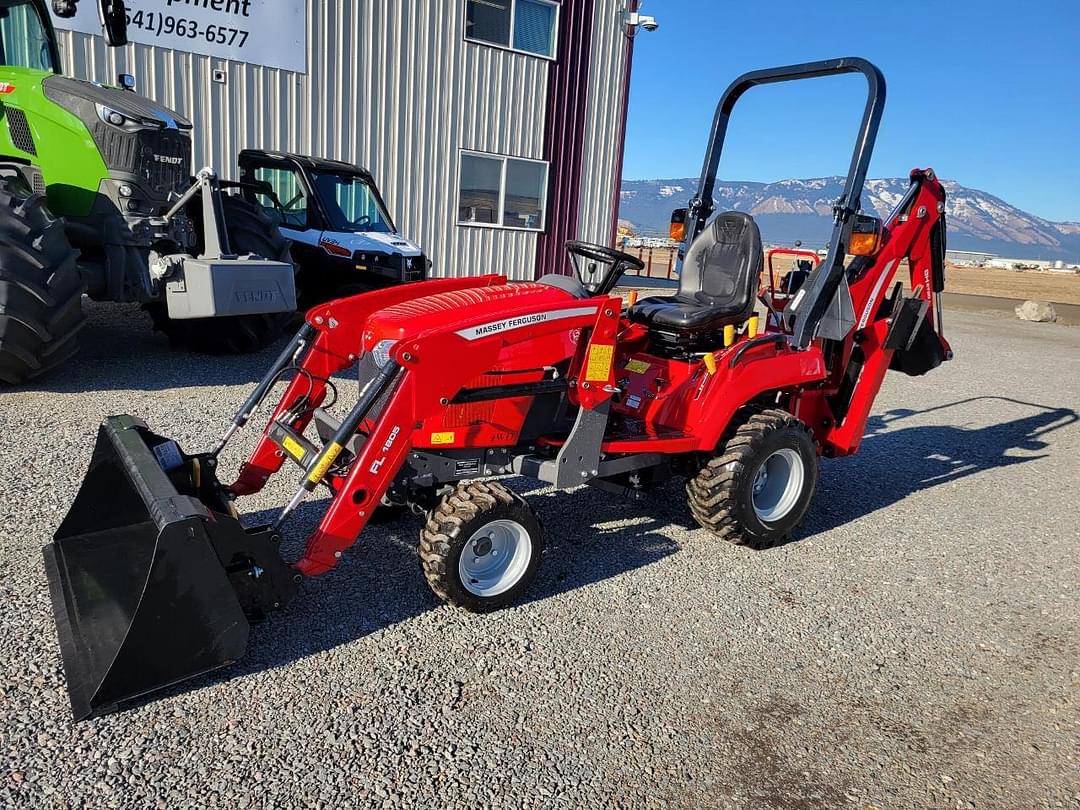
{"points": [[153, 579]]}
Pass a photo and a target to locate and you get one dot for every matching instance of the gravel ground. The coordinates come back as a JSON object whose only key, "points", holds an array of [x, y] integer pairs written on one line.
{"points": [[918, 646]]}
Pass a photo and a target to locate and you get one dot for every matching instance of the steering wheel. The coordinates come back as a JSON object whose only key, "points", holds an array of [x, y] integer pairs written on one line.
{"points": [[594, 254]]}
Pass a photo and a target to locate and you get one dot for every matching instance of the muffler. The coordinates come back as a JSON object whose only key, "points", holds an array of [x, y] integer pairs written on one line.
{"points": [[152, 577]]}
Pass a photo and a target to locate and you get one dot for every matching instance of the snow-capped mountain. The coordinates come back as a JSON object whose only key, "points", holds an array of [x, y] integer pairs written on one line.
{"points": [[801, 209]]}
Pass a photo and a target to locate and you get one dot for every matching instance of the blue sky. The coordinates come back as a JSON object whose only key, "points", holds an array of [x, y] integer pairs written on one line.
{"points": [[987, 93]]}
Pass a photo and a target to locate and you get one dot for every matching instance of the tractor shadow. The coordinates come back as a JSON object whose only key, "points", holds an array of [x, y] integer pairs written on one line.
{"points": [[592, 536], [895, 462], [379, 583], [120, 351]]}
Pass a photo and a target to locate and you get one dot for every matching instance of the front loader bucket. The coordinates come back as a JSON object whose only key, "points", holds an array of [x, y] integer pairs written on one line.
{"points": [[152, 578]]}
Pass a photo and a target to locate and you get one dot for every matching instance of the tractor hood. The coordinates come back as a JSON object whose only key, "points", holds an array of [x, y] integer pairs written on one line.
{"points": [[86, 98], [338, 243], [475, 312], [141, 143]]}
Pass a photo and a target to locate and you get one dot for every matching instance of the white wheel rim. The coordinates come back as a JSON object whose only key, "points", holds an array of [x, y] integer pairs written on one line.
{"points": [[778, 484], [495, 558]]}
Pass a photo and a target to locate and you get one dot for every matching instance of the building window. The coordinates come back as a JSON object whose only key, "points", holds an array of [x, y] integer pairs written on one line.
{"points": [[521, 25], [502, 192]]}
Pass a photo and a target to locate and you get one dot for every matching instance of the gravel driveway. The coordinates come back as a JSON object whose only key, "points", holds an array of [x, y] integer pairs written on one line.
{"points": [[918, 646]]}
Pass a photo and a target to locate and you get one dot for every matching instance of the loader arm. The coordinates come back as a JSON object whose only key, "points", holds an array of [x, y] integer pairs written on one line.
{"points": [[429, 369], [338, 327]]}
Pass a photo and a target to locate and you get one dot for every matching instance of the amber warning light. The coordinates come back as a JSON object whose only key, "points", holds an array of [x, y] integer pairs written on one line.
{"points": [[865, 236], [677, 229]]}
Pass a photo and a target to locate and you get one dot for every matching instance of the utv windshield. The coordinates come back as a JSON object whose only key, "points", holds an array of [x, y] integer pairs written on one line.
{"points": [[350, 203], [24, 37]]}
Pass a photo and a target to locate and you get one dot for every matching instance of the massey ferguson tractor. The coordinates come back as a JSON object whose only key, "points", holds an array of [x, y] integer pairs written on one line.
{"points": [[154, 579], [97, 196]]}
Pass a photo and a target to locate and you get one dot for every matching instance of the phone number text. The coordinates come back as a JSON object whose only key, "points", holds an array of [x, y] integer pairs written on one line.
{"points": [[168, 25]]}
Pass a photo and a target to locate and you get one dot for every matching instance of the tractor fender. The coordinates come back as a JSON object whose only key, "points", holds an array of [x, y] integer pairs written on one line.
{"points": [[759, 372]]}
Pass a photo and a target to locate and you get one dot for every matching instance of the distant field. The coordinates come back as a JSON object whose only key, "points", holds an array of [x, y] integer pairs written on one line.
{"points": [[1061, 288]]}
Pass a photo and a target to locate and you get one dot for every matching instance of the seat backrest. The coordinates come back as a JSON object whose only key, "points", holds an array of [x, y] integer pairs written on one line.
{"points": [[723, 266]]}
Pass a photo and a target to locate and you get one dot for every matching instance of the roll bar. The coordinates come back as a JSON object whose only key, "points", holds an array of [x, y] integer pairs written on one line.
{"points": [[807, 309]]}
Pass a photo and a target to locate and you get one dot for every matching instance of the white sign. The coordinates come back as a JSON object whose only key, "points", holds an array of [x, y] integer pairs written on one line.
{"points": [[263, 32]]}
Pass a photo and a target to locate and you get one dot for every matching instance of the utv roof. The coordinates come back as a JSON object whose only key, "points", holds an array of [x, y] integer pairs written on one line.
{"points": [[306, 161]]}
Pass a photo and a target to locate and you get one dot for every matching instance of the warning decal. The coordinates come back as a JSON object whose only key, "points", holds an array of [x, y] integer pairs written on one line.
{"points": [[599, 366]]}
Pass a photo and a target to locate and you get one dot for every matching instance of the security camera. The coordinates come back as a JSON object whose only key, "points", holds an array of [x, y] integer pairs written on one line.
{"points": [[642, 20]]}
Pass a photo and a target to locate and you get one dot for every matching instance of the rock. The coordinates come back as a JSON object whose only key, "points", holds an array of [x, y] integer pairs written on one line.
{"points": [[1040, 311]]}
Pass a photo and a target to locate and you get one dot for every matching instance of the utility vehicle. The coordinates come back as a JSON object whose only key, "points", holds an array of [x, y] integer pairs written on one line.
{"points": [[343, 239]]}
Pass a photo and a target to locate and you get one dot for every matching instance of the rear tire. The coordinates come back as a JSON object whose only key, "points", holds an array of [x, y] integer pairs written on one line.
{"points": [[250, 231], [40, 288], [461, 544], [758, 486]]}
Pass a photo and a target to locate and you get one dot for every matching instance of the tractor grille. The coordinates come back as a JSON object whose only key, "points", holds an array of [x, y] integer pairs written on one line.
{"points": [[159, 158], [21, 138], [394, 266]]}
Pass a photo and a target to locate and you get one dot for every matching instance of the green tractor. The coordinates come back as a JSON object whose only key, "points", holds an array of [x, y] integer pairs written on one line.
{"points": [[97, 196]]}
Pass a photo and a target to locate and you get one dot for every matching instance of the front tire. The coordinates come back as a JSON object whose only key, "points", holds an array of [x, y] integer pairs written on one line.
{"points": [[40, 287], [481, 546], [758, 486], [250, 231]]}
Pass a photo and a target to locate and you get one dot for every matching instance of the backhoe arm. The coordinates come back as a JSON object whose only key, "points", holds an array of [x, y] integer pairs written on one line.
{"points": [[887, 325]]}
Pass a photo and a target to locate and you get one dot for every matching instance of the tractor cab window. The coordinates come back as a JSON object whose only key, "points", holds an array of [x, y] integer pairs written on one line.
{"points": [[280, 195], [350, 203], [24, 38]]}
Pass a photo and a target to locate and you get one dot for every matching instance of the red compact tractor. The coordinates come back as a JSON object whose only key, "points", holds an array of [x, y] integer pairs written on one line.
{"points": [[154, 579]]}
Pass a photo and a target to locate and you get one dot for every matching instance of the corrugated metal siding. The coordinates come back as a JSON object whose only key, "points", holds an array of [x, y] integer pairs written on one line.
{"points": [[392, 86], [600, 161]]}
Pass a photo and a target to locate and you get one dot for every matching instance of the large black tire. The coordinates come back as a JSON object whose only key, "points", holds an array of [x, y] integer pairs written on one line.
{"points": [[450, 532], [250, 231], [722, 495], [40, 288]]}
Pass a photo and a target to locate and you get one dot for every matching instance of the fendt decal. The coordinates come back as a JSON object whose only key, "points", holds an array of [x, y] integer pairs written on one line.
{"points": [[494, 327]]}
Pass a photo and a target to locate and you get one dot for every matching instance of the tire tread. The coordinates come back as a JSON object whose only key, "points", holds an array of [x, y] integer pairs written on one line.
{"points": [[712, 493], [40, 287]]}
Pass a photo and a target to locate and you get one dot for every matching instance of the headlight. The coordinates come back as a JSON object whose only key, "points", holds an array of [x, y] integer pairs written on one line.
{"points": [[380, 352], [118, 119], [111, 116]]}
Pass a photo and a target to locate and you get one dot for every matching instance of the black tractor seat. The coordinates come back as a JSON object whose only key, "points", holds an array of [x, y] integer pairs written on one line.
{"points": [[718, 286]]}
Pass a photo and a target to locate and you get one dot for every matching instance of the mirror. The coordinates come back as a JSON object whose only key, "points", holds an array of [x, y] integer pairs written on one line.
{"points": [[126, 81], [113, 18]]}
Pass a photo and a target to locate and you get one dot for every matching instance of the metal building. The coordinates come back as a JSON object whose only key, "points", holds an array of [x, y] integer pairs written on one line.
{"points": [[493, 127]]}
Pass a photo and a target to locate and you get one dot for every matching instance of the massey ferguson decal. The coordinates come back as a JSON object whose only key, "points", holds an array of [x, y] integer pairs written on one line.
{"points": [[871, 302], [477, 332]]}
